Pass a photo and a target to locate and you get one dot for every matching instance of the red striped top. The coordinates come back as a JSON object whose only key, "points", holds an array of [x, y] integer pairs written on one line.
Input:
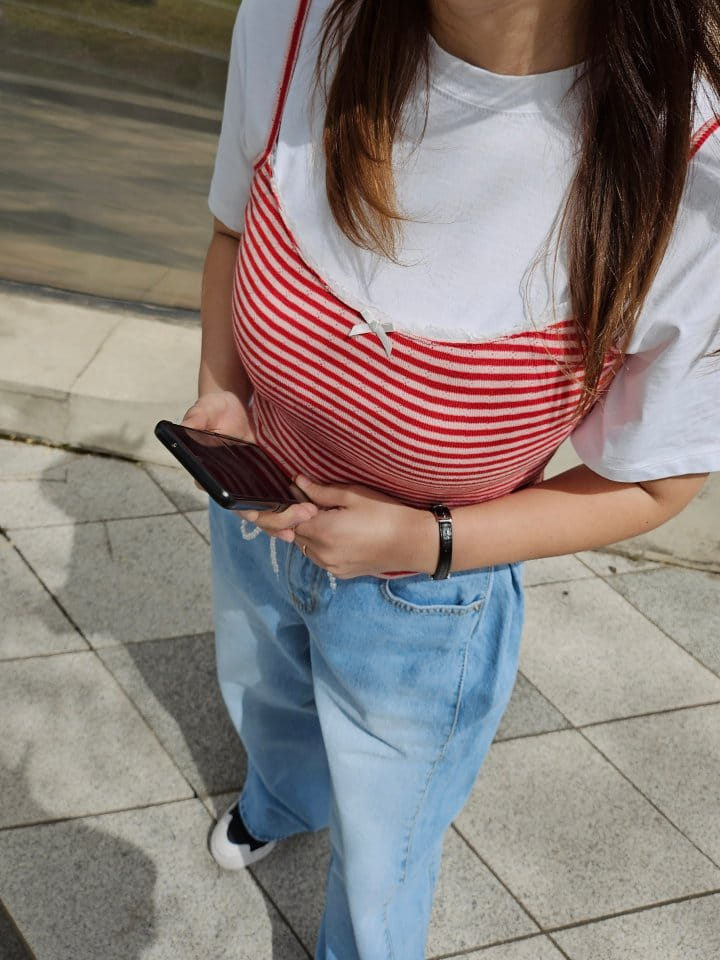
{"points": [[430, 421]]}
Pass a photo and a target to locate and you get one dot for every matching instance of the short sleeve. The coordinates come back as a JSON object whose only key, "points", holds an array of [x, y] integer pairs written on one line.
{"points": [[661, 415], [257, 52]]}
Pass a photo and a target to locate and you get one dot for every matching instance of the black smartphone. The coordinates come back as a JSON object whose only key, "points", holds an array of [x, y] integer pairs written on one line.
{"points": [[237, 474]]}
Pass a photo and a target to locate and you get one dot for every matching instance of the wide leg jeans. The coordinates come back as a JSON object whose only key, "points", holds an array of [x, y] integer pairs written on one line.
{"points": [[366, 706]]}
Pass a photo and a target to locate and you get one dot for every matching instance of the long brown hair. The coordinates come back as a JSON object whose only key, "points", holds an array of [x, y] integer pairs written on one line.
{"points": [[643, 61]]}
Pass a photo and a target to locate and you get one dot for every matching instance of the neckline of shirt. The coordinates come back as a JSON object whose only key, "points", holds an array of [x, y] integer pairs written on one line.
{"points": [[538, 93]]}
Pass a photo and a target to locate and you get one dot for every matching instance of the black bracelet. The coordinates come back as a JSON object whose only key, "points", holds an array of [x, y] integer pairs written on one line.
{"points": [[444, 519]]}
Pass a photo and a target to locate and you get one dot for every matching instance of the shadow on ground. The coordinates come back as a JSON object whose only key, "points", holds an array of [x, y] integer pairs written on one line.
{"points": [[91, 894]]}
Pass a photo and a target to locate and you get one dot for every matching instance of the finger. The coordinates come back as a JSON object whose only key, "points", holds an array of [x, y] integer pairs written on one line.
{"points": [[273, 523], [324, 495], [287, 535], [196, 418], [250, 515]]}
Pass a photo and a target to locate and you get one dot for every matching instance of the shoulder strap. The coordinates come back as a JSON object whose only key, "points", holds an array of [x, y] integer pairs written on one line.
{"points": [[703, 134], [290, 61]]}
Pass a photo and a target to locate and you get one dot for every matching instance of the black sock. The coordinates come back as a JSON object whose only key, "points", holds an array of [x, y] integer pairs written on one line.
{"points": [[238, 833]]}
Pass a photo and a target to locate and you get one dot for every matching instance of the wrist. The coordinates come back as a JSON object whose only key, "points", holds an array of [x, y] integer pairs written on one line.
{"points": [[423, 542]]}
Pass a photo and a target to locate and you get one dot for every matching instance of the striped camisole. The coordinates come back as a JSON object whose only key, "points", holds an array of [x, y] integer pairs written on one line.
{"points": [[343, 400]]}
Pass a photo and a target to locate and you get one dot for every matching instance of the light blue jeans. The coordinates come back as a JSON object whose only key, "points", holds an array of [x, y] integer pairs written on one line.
{"points": [[365, 705]]}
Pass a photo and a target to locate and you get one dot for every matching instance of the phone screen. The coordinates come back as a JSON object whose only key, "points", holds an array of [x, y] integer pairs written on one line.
{"points": [[240, 468]]}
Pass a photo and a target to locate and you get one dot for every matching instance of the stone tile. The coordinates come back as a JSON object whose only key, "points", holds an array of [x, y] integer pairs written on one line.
{"points": [[571, 838], [45, 485], [607, 563], [73, 744], [534, 948], [218, 804], [11, 946], [179, 487], [145, 371], [529, 712], [554, 570], [294, 877], [674, 758], [471, 907], [588, 651], [31, 623], [684, 603], [679, 931], [691, 536], [174, 685], [125, 580], [201, 521], [70, 335], [138, 884], [22, 411]]}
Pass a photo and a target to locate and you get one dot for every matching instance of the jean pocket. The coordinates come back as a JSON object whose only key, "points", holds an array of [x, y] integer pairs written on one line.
{"points": [[459, 594]]}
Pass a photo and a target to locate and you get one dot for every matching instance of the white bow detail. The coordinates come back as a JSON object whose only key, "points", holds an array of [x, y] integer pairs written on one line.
{"points": [[371, 324]]}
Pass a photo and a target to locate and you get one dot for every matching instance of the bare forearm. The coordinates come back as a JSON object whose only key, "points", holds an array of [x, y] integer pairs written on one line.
{"points": [[220, 365], [578, 510]]}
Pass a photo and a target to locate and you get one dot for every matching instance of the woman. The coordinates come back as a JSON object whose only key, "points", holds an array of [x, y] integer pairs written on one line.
{"points": [[448, 235]]}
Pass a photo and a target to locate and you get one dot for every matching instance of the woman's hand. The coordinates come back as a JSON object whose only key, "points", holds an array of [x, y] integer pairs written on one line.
{"points": [[221, 412], [361, 532]]}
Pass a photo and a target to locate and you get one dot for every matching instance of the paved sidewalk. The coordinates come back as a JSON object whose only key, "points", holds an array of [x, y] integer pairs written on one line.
{"points": [[593, 832]]}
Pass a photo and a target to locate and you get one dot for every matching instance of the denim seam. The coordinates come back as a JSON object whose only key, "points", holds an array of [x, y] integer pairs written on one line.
{"points": [[458, 699], [388, 938], [439, 610]]}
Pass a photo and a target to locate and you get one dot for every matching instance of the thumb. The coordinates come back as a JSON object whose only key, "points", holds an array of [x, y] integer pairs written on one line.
{"points": [[195, 417], [322, 494]]}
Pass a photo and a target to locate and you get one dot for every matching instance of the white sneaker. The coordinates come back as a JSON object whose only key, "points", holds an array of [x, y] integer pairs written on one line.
{"points": [[233, 847]]}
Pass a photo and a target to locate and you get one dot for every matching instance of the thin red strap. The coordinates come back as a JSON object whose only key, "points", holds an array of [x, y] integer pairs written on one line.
{"points": [[290, 61], [703, 134]]}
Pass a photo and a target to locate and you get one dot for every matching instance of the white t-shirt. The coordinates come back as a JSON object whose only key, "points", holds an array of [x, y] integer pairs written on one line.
{"points": [[483, 188]]}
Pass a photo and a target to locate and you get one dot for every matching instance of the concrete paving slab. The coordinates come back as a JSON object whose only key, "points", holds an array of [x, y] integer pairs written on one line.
{"points": [[471, 908], [25, 461], [44, 418], [31, 624], [178, 486], [73, 744], [534, 948], [607, 563], [217, 805], [674, 758], [529, 712], [294, 877], [115, 376], [571, 838], [587, 651], [679, 931], [46, 485], [125, 580], [684, 603], [138, 885], [201, 521], [48, 343], [554, 570], [174, 685], [11, 946], [145, 371]]}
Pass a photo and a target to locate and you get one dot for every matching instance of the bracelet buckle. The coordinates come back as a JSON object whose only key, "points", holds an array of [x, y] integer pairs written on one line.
{"points": [[444, 519]]}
